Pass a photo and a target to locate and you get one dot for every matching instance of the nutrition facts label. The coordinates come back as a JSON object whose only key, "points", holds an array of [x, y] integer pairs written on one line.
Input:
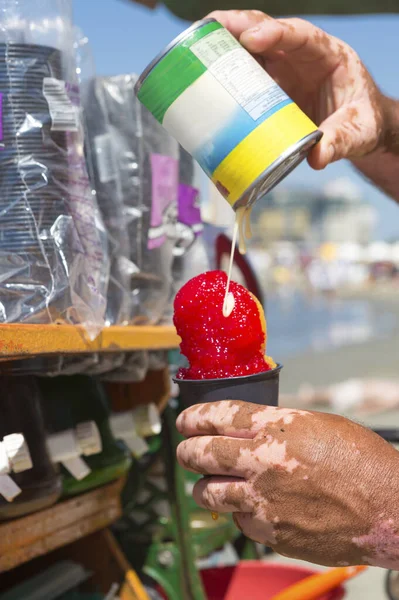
{"points": [[239, 73]]}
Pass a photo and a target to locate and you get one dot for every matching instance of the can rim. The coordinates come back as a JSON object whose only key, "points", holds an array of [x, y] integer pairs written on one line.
{"points": [[167, 49], [302, 146], [267, 374]]}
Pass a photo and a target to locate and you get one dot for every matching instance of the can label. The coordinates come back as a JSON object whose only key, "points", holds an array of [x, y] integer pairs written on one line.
{"points": [[223, 108], [242, 77]]}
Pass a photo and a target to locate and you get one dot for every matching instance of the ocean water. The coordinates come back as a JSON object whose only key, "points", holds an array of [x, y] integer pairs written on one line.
{"points": [[297, 323]]}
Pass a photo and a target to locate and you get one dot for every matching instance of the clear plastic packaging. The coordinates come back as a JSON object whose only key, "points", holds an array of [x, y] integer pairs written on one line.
{"points": [[136, 177], [133, 369], [105, 363], [188, 225], [50, 366], [160, 195], [157, 360], [102, 153], [108, 133], [53, 250]]}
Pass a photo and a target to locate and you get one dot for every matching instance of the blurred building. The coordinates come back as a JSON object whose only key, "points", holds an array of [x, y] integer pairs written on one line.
{"points": [[336, 214]]}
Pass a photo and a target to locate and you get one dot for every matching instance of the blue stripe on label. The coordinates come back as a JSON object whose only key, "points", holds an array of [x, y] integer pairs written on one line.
{"points": [[211, 154]]}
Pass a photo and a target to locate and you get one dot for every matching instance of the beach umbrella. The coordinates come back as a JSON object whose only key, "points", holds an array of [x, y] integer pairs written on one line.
{"points": [[378, 252], [328, 251], [286, 252], [350, 252]]}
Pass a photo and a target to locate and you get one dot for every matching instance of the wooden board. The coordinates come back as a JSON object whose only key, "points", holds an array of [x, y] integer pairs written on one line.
{"points": [[19, 341], [100, 554], [32, 536]]}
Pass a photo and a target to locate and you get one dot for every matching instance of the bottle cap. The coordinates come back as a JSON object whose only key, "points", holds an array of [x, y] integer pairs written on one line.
{"points": [[18, 452], [88, 438], [137, 445], [8, 488], [77, 467], [122, 427], [147, 420], [62, 446], [5, 466]]}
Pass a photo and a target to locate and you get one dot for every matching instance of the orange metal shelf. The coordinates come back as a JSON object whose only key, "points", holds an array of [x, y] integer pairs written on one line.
{"points": [[18, 341]]}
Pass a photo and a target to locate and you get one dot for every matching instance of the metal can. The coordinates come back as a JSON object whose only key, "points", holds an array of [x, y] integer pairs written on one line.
{"points": [[227, 112]]}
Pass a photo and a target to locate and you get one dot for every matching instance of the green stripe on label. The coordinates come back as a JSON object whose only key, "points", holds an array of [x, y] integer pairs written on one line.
{"points": [[173, 74]]}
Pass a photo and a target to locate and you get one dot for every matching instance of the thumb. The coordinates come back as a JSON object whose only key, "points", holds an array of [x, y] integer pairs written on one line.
{"points": [[343, 137]]}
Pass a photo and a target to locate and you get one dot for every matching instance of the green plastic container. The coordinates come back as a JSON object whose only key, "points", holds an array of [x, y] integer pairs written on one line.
{"points": [[68, 401]]}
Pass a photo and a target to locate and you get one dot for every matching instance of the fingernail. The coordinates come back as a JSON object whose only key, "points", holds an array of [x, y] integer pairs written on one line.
{"points": [[251, 33]]}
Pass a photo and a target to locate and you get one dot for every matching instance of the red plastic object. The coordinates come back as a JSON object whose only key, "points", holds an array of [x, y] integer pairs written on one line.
{"points": [[255, 580]]}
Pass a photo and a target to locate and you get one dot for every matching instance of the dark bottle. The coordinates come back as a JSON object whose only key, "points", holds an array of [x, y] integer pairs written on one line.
{"points": [[20, 412]]}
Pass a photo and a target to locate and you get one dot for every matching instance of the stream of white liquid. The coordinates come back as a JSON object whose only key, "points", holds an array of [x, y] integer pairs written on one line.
{"points": [[242, 231]]}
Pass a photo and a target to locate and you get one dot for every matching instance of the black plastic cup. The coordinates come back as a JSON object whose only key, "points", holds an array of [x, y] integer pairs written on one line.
{"points": [[261, 388]]}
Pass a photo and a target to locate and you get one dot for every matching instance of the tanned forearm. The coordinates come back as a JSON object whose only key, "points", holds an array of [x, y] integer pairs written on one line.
{"points": [[381, 167]]}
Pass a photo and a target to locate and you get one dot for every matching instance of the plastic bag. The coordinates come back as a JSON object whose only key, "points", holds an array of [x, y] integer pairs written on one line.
{"points": [[133, 369], [53, 252], [136, 164], [157, 360], [109, 131], [160, 193], [101, 149], [50, 366], [188, 225]]}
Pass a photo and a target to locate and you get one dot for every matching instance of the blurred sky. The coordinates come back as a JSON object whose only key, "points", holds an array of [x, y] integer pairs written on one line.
{"points": [[125, 37]]}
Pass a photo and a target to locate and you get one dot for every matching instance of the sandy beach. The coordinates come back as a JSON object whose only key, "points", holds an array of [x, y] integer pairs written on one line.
{"points": [[374, 358]]}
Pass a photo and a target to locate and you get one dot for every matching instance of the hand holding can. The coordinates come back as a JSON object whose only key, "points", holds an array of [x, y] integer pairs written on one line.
{"points": [[224, 108]]}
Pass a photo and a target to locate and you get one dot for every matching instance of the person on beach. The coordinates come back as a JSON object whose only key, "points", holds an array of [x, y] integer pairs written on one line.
{"points": [[311, 486]]}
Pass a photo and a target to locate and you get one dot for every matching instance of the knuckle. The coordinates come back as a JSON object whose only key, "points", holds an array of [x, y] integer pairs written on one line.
{"points": [[188, 455], [197, 454], [209, 497], [297, 22], [181, 453]]}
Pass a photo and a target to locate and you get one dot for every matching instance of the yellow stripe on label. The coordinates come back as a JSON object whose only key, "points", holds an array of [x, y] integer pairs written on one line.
{"points": [[238, 171]]}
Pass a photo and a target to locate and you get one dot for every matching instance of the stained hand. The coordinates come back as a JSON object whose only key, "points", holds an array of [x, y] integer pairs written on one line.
{"points": [[324, 76], [312, 486]]}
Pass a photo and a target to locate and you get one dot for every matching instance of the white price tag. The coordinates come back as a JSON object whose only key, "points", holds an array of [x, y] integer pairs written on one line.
{"points": [[8, 488], [64, 115]]}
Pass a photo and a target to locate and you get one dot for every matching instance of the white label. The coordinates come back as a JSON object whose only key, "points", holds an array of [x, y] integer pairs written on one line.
{"points": [[239, 73], [137, 446], [8, 488], [64, 115], [77, 467], [18, 452], [105, 158]]}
